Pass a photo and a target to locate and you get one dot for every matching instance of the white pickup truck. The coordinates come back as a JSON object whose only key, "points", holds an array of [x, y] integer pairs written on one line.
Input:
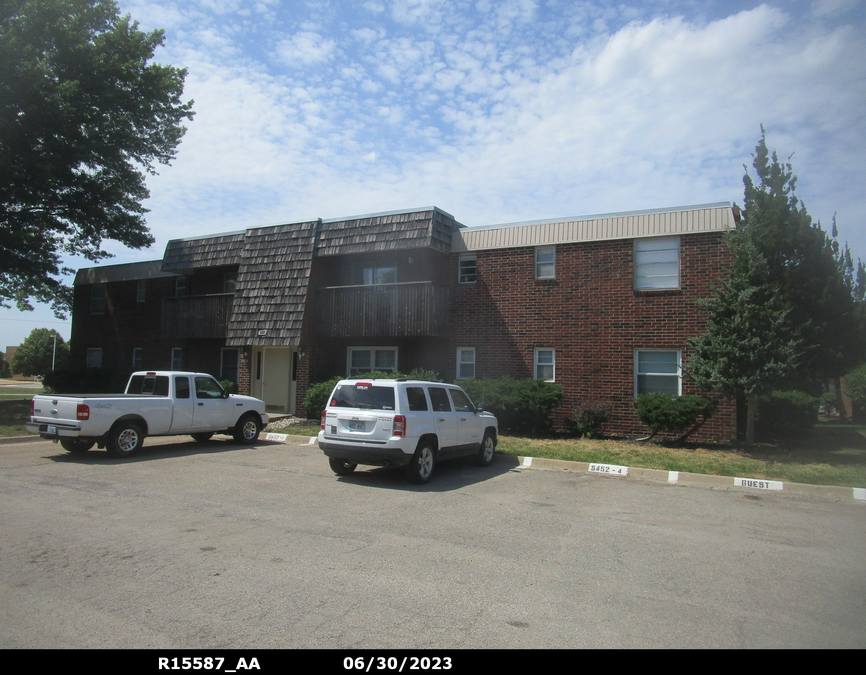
{"points": [[156, 403]]}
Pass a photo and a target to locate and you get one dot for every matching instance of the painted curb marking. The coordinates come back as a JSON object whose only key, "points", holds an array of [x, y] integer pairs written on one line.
{"points": [[758, 484]]}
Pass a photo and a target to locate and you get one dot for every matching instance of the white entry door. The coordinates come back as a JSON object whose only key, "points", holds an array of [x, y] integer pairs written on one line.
{"points": [[273, 377]]}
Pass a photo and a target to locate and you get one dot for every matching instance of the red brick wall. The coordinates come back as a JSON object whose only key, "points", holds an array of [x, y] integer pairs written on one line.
{"points": [[591, 315]]}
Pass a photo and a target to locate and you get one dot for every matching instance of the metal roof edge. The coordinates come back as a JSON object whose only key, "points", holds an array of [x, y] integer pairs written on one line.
{"points": [[597, 216]]}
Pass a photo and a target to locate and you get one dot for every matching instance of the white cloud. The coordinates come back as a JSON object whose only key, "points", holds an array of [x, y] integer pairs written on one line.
{"points": [[304, 49]]}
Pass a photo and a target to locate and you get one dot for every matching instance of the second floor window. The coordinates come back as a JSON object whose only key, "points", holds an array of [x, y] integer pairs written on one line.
{"points": [[141, 291], [657, 263], [137, 358], [97, 299], [545, 262], [468, 273], [373, 275], [180, 287]]}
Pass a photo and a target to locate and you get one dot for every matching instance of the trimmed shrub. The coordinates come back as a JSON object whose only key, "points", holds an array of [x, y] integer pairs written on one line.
{"points": [[588, 419], [229, 386], [317, 397], [672, 414], [520, 406], [785, 414], [317, 394], [424, 374]]}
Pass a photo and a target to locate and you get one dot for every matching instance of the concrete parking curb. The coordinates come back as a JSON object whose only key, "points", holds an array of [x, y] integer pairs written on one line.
{"points": [[8, 440], [695, 479]]}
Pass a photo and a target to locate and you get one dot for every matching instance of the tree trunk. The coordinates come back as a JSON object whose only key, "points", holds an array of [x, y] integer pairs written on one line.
{"points": [[840, 403], [752, 403]]}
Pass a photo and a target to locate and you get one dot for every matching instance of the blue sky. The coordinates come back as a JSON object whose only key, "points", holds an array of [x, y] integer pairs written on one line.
{"points": [[499, 111]]}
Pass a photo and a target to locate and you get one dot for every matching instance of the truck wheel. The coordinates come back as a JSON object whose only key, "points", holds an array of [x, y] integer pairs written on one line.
{"points": [[124, 440], [341, 467], [248, 428], [76, 446], [203, 437], [420, 468], [484, 457]]}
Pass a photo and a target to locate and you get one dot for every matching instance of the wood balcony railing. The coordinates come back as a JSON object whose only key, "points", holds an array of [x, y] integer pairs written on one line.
{"points": [[196, 316], [383, 310]]}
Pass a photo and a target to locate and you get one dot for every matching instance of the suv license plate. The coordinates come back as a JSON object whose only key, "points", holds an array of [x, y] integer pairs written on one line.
{"points": [[52, 429], [356, 426]]}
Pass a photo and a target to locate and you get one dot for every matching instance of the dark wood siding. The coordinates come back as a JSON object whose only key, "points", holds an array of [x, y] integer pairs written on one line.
{"points": [[198, 316], [386, 310]]}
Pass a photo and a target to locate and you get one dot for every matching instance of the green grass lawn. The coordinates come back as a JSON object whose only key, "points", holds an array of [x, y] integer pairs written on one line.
{"points": [[832, 454], [15, 410]]}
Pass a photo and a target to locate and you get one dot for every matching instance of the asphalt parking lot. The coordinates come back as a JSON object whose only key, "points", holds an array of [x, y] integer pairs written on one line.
{"points": [[222, 546]]}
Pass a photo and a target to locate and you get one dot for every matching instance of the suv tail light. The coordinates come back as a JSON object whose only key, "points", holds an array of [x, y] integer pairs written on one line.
{"points": [[399, 425], [83, 412], [32, 407], [322, 422]]}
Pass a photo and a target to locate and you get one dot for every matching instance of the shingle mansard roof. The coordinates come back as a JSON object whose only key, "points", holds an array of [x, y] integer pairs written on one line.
{"points": [[274, 262]]}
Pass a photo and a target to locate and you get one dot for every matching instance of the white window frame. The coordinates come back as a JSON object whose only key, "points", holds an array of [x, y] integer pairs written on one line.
{"points": [[137, 358], [351, 350], [141, 291], [461, 362], [94, 357], [541, 271], [536, 363], [637, 365], [176, 358], [654, 258], [467, 278]]}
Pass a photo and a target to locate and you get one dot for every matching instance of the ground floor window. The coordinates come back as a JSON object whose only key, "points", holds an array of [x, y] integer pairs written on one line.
{"points": [[465, 363], [366, 359], [94, 357], [544, 364], [657, 371], [229, 365], [177, 358], [137, 358]]}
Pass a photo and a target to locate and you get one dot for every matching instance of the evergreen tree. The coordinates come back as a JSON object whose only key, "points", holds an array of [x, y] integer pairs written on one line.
{"points": [[750, 346], [815, 278]]}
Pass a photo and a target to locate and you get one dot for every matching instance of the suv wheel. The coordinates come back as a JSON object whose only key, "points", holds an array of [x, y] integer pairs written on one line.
{"points": [[484, 457], [420, 469]]}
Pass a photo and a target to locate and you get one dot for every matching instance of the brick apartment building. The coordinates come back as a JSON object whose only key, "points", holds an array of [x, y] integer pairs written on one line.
{"points": [[601, 305]]}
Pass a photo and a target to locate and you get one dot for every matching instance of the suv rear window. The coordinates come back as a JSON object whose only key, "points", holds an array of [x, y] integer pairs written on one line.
{"points": [[363, 395]]}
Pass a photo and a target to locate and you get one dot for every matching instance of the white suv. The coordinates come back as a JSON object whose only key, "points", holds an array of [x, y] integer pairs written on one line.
{"points": [[411, 423]]}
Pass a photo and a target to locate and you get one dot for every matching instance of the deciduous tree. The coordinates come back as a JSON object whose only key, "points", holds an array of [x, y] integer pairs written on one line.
{"points": [[43, 351], [84, 115]]}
